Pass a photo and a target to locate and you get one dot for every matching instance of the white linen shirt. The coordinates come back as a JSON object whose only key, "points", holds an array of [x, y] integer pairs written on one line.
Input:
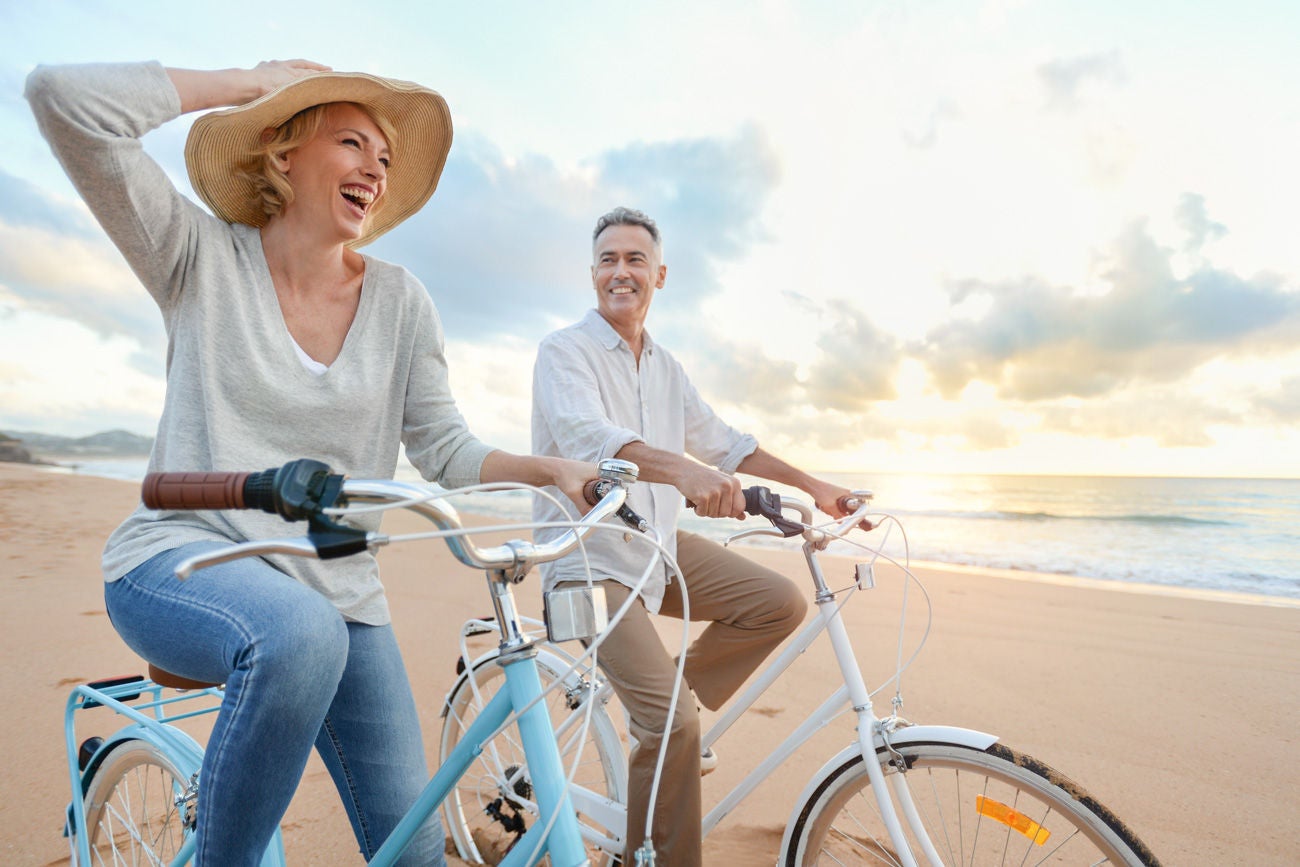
{"points": [[591, 398]]}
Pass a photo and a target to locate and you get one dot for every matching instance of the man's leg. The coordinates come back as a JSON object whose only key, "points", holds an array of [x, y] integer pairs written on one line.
{"points": [[641, 671], [753, 609]]}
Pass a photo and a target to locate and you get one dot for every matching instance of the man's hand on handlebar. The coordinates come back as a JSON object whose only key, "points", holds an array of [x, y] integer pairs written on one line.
{"points": [[831, 500], [712, 494]]}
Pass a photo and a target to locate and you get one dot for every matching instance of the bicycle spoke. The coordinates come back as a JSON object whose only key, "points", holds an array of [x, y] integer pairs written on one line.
{"points": [[976, 807]]}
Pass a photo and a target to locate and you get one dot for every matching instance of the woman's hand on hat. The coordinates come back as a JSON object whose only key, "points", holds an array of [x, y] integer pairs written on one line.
{"points": [[271, 74], [217, 88]]}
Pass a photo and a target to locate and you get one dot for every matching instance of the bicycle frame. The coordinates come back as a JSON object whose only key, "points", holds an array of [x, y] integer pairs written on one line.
{"points": [[523, 686], [873, 732]]}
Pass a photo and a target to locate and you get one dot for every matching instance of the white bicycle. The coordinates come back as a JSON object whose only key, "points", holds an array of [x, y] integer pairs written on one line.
{"points": [[898, 793]]}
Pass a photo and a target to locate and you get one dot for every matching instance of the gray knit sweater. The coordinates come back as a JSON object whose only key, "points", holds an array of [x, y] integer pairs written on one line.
{"points": [[237, 396]]}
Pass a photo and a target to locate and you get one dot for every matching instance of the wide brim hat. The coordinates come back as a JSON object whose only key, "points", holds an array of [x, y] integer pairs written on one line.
{"points": [[221, 142]]}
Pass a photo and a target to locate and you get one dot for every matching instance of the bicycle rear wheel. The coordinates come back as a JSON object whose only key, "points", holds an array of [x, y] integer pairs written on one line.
{"points": [[994, 806], [137, 807], [493, 802]]}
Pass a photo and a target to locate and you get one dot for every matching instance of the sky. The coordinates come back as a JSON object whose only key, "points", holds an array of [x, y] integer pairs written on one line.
{"points": [[1005, 237]]}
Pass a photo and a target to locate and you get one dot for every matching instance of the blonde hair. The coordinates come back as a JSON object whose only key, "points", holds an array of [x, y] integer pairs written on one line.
{"points": [[259, 167]]}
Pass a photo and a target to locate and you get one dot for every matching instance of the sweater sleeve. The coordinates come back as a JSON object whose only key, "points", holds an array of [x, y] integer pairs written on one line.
{"points": [[438, 441], [93, 116]]}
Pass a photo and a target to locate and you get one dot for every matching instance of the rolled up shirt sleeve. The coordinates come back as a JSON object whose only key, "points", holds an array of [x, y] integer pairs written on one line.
{"points": [[708, 437]]}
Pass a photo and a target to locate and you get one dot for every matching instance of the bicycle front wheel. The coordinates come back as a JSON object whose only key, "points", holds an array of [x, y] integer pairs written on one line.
{"points": [[493, 803], [978, 807], [137, 807]]}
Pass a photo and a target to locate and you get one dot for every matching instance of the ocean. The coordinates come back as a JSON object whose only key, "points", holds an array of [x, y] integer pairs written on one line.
{"points": [[1227, 535]]}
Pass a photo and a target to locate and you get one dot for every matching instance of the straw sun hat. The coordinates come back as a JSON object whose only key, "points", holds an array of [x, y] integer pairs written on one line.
{"points": [[220, 142]]}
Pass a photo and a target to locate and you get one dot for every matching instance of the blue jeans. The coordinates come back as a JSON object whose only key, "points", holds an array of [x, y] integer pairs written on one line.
{"points": [[296, 674]]}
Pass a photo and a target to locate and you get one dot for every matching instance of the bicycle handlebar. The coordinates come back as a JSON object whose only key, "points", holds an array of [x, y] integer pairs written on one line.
{"points": [[305, 488]]}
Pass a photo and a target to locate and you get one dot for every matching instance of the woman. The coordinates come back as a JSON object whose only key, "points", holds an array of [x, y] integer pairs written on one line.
{"points": [[283, 342]]}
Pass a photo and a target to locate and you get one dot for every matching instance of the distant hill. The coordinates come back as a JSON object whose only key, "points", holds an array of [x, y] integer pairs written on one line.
{"points": [[108, 444], [12, 450]]}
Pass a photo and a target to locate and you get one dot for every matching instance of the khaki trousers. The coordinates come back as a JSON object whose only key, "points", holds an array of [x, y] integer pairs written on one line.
{"points": [[752, 610]]}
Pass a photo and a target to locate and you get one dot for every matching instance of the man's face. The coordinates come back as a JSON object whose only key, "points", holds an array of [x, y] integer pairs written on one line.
{"points": [[625, 272]]}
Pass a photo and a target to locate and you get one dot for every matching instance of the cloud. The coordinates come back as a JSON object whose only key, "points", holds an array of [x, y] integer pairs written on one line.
{"points": [[744, 376], [925, 134], [1040, 342], [1064, 79], [1172, 420], [857, 363], [25, 205], [1192, 216], [1281, 405], [504, 245]]}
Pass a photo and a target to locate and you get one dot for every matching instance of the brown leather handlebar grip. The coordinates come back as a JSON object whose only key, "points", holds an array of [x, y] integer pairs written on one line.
{"points": [[848, 503], [194, 490], [591, 491]]}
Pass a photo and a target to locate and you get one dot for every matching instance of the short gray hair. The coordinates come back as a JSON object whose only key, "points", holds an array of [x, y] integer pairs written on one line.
{"points": [[621, 216]]}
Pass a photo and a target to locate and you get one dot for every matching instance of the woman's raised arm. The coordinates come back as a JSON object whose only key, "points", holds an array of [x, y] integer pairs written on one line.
{"points": [[201, 89]]}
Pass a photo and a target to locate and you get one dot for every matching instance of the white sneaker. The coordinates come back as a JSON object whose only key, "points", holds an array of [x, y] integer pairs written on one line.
{"points": [[708, 761]]}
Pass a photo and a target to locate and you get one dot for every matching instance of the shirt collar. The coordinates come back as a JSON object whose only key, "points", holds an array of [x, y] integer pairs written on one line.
{"points": [[607, 336]]}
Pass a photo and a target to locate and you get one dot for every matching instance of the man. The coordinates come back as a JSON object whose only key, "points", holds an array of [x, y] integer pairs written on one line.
{"points": [[603, 388]]}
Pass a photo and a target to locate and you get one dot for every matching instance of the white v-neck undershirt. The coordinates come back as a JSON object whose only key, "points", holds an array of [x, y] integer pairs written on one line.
{"points": [[313, 366]]}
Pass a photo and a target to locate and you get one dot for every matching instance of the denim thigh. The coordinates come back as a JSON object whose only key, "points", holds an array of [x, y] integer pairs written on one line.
{"points": [[372, 744], [278, 646]]}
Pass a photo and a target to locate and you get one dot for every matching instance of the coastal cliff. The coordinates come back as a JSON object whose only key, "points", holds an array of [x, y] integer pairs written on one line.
{"points": [[26, 447]]}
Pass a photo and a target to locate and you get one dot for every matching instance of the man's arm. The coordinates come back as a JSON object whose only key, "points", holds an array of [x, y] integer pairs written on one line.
{"points": [[768, 466]]}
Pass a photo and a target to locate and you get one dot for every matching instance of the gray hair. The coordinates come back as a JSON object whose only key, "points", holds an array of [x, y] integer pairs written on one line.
{"points": [[621, 216]]}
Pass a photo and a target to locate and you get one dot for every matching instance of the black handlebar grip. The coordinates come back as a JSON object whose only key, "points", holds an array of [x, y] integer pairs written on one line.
{"points": [[756, 499], [194, 490]]}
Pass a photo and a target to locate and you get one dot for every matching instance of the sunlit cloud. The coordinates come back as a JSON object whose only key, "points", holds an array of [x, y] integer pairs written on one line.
{"points": [[1039, 342]]}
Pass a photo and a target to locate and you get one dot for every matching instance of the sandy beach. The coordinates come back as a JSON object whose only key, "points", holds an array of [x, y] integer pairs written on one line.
{"points": [[1178, 712]]}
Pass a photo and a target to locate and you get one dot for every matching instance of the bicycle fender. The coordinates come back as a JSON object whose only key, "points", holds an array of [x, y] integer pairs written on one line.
{"points": [[901, 737], [545, 659], [183, 750], [178, 745]]}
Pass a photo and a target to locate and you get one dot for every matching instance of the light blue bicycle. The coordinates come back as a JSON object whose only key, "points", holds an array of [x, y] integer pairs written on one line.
{"points": [[134, 792]]}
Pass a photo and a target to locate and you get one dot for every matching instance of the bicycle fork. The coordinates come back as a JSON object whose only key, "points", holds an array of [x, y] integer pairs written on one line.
{"points": [[868, 726]]}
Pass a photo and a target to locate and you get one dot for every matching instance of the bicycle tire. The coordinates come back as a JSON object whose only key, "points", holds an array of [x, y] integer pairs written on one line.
{"points": [[478, 836], [1028, 813], [135, 807]]}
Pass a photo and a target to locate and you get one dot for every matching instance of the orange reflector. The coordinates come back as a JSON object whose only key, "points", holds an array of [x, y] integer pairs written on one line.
{"points": [[1009, 817]]}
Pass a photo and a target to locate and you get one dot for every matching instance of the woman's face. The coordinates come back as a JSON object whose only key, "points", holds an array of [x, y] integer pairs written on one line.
{"points": [[338, 176]]}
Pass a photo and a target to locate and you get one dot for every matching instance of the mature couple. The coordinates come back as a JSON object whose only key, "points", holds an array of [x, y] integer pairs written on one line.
{"points": [[284, 341]]}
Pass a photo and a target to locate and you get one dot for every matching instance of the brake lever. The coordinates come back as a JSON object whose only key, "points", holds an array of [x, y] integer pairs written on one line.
{"points": [[311, 547], [763, 503], [759, 531], [299, 547]]}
